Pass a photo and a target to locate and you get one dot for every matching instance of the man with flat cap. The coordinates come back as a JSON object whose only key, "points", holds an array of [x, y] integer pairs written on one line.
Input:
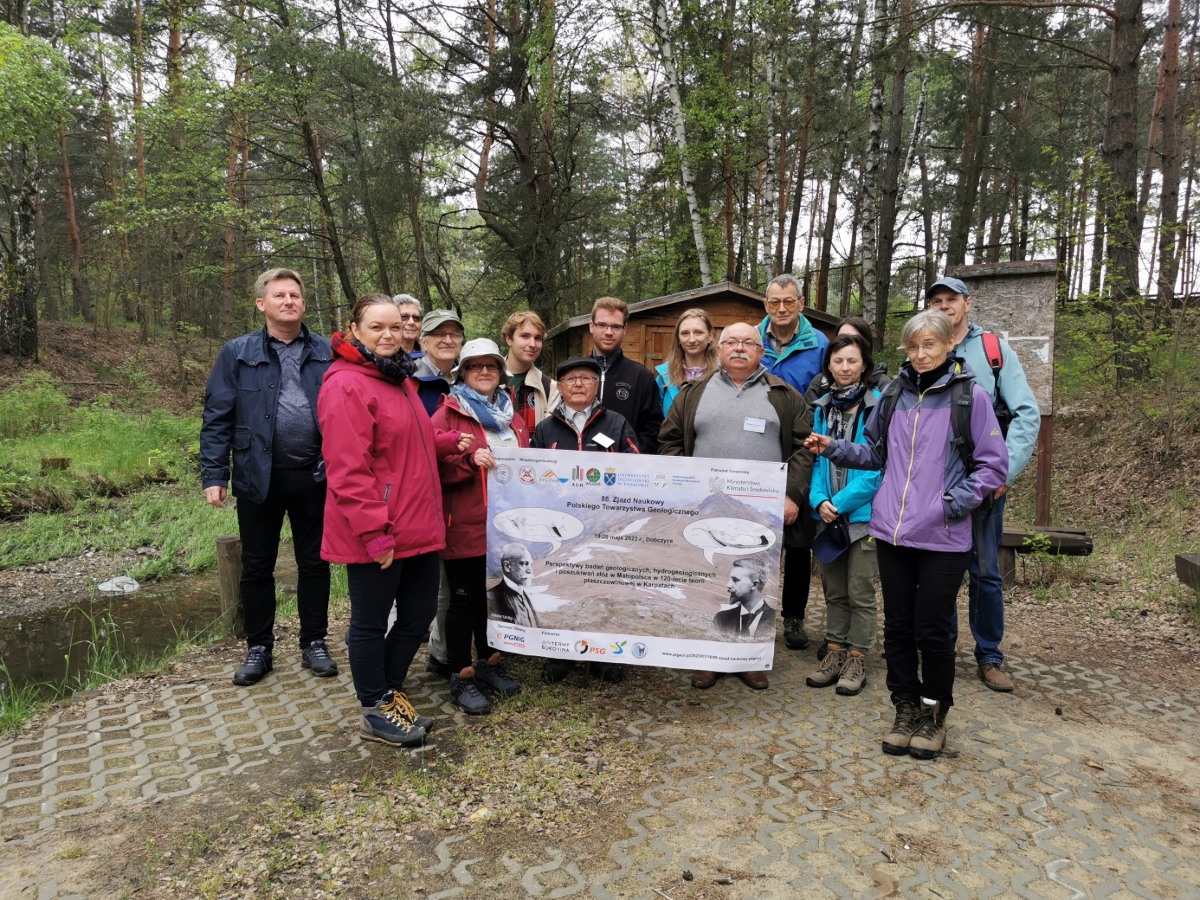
{"points": [[579, 422]]}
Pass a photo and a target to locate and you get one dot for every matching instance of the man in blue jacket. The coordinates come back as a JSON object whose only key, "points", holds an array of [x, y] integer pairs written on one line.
{"points": [[260, 413], [793, 351], [986, 588]]}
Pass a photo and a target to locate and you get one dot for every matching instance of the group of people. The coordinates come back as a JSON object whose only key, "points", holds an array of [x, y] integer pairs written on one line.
{"points": [[376, 444]]}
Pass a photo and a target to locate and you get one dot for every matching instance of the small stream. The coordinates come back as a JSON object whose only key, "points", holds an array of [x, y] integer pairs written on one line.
{"points": [[45, 647]]}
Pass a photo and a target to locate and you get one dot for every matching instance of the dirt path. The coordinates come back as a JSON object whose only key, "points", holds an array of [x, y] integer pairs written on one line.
{"points": [[1084, 782]]}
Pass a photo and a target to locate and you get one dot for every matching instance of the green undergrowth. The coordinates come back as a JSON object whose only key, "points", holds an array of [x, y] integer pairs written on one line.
{"points": [[54, 454]]}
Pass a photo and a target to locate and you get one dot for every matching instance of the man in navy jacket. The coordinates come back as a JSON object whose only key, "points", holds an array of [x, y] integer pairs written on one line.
{"points": [[260, 414]]}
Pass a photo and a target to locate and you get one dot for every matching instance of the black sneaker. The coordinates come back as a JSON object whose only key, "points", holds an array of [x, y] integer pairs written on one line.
{"points": [[257, 664], [555, 671], [316, 657], [382, 724], [437, 667], [398, 704], [490, 675], [793, 633], [465, 693]]}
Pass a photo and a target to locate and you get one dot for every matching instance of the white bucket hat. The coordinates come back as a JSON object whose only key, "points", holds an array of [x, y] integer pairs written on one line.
{"points": [[475, 349]]}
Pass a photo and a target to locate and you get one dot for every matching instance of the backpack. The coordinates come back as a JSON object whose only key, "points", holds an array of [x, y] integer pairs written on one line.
{"points": [[960, 418], [995, 359]]}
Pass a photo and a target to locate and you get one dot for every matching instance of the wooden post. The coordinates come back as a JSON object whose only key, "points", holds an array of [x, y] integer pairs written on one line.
{"points": [[1045, 457], [229, 570]]}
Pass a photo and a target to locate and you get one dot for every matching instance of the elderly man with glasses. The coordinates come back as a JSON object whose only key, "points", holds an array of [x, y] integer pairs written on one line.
{"points": [[580, 421], [442, 335], [741, 411]]}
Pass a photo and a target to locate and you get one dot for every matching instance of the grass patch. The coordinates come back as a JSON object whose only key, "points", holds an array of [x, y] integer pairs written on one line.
{"points": [[18, 703]]}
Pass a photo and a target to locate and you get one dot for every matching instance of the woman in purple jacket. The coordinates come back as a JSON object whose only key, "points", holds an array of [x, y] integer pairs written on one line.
{"points": [[921, 521]]}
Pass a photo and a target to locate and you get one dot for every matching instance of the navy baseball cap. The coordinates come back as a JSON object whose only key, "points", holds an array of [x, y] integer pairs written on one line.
{"points": [[953, 283]]}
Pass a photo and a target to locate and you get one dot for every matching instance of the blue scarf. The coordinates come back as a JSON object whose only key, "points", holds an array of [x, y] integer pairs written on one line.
{"points": [[492, 416]]}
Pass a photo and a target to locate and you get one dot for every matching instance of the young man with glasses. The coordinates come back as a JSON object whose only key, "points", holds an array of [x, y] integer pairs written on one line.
{"points": [[741, 411], [626, 387]]}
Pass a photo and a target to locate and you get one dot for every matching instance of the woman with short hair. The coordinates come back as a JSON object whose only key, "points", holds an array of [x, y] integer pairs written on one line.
{"points": [[921, 519]]}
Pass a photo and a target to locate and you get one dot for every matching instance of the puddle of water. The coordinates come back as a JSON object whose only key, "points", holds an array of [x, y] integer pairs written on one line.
{"points": [[44, 647]]}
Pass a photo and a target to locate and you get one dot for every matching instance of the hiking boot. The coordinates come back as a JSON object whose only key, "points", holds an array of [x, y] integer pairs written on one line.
{"points": [[316, 657], [465, 692], [793, 633], [555, 670], [383, 724], [854, 675], [929, 736], [829, 670], [437, 667], [995, 677], [398, 704], [257, 664], [490, 675], [823, 649], [896, 741]]}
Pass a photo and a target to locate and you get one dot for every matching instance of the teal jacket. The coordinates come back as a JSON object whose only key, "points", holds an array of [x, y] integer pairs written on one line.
{"points": [[854, 500], [1015, 391], [666, 387], [799, 362]]}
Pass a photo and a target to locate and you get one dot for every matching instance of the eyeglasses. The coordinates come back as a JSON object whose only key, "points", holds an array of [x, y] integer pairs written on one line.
{"points": [[452, 336], [410, 317], [927, 346], [579, 379], [482, 367], [734, 343], [786, 304], [605, 326]]}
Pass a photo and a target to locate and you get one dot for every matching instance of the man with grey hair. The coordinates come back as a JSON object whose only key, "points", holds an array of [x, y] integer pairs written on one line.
{"points": [[260, 414], [794, 351], [741, 411]]}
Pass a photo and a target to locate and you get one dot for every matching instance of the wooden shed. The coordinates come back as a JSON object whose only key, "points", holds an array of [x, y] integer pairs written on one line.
{"points": [[651, 325]]}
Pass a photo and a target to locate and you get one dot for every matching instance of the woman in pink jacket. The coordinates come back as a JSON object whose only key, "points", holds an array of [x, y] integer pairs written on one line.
{"points": [[476, 405], [383, 513]]}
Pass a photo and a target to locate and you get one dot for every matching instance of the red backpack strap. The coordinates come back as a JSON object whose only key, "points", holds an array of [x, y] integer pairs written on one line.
{"points": [[991, 349]]}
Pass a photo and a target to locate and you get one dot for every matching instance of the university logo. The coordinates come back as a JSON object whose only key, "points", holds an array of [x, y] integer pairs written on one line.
{"points": [[577, 474], [610, 477], [593, 476]]}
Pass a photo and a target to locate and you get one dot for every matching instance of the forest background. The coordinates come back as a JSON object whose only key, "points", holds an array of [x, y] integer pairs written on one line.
{"points": [[497, 154]]}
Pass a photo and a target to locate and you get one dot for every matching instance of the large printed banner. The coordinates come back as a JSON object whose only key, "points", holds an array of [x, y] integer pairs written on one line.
{"points": [[644, 560]]}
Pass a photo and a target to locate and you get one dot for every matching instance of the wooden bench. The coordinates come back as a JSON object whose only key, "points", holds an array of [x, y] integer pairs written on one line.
{"points": [[1059, 542], [1187, 567]]}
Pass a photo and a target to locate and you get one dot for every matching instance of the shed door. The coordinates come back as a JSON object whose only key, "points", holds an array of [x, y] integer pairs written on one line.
{"points": [[658, 344]]}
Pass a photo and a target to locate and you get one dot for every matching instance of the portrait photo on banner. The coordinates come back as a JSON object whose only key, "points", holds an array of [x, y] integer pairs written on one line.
{"points": [[643, 560]]}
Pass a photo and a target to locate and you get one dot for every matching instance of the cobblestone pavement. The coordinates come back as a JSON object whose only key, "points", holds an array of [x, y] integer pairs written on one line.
{"points": [[1080, 784]]}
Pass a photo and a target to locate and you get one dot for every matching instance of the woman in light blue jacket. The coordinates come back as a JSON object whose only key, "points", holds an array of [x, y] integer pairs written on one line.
{"points": [[841, 493], [692, 355]]}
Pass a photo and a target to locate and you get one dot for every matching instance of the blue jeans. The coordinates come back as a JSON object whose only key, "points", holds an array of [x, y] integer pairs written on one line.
{"points": [[985, 592]]}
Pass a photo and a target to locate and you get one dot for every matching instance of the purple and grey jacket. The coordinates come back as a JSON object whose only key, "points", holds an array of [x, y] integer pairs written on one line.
{"points": [[926, 497]]}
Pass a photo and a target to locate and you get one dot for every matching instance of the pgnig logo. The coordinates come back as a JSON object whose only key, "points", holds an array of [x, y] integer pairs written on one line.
{"points": [[511, 640], [638, 650], [581, 647]]}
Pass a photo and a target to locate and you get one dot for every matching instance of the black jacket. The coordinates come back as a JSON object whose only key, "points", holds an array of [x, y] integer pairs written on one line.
{"points": [[629, 388], [555, 433], [239, 410]]}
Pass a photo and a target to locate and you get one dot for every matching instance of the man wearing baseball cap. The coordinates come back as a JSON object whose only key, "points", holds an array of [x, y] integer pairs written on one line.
{"points": [[442, 335], [1009, 390]]}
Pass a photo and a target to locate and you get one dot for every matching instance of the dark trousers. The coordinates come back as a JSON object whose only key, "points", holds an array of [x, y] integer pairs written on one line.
{"points": [[920, 588], [797, 573], [294, 493], [379, 658], [467, 614]]}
